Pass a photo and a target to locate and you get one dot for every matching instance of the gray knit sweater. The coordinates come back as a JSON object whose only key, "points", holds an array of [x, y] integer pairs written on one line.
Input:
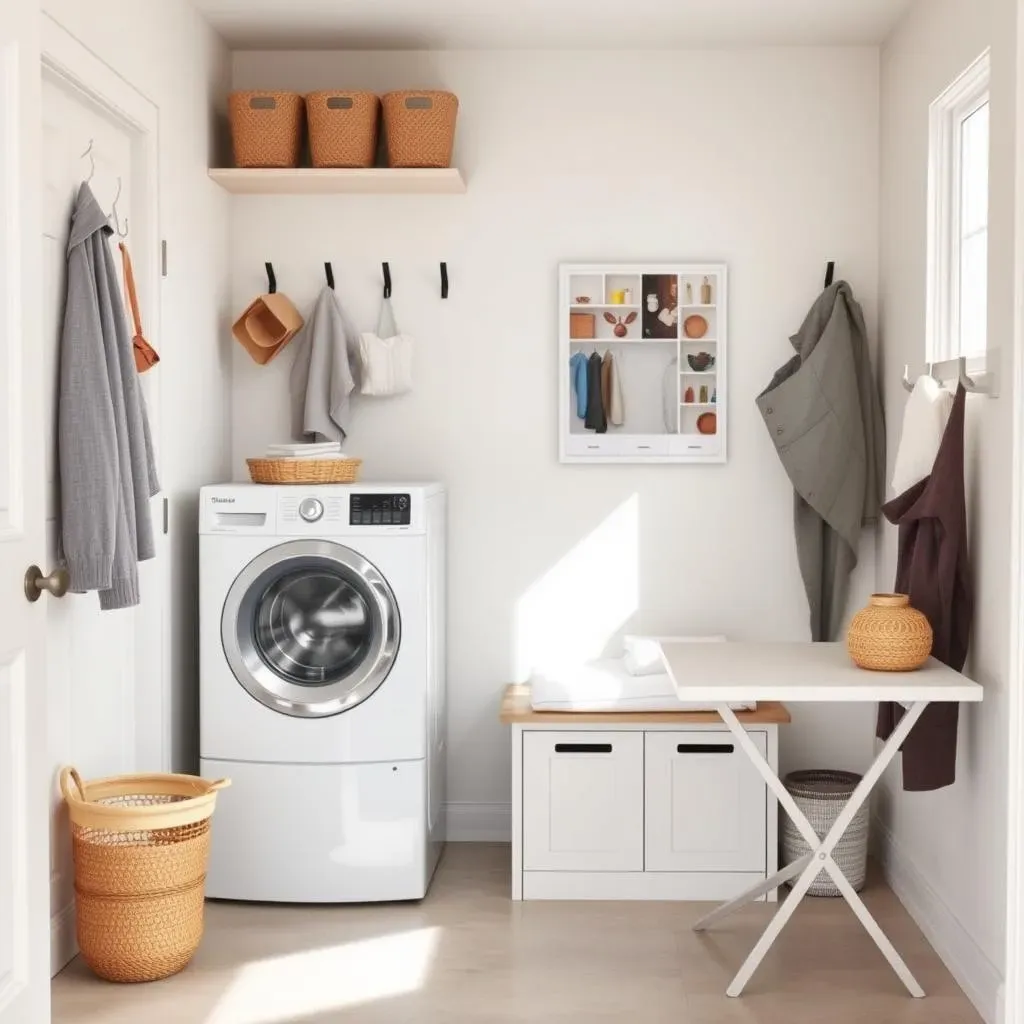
{"points": [[107, 472]]}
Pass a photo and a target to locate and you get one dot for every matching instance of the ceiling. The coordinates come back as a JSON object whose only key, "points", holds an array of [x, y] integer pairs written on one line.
{"points": [[547, 24]]}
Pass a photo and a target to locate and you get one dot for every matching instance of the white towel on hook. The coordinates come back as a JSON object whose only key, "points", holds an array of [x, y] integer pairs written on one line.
{"points": [[924, 423]]}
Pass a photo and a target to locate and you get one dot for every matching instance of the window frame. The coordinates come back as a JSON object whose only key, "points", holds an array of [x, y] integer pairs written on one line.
{"points": [[947, 114]]}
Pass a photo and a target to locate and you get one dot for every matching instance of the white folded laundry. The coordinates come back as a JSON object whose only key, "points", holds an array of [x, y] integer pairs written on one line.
{"points": [[607, 686], [325, 450]]}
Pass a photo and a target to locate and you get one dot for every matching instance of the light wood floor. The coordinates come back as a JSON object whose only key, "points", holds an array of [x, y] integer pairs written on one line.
{"points": [[467, 954]]}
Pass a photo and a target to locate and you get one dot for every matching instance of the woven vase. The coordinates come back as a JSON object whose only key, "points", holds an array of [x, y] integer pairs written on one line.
{"points": [[889, 636]]}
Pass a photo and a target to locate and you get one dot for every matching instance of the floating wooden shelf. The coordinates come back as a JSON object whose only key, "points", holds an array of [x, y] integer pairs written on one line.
{"points": [[316, 181]]}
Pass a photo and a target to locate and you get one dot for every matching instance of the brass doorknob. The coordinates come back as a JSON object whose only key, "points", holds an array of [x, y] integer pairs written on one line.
{"points": [[56, 583]]}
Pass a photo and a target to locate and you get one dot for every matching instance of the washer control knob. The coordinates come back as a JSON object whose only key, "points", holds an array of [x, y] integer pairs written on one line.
{"points": [[311, 509], [403, 502]]}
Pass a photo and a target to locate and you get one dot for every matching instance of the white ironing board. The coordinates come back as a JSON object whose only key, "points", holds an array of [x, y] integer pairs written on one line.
{"points": [[793, 672]]}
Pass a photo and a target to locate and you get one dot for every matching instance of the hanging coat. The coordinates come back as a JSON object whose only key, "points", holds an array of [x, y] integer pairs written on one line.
{"points": [[107, 472], [933, 569], [596, 419], [578, 379], [824, 416], [325, 371]]}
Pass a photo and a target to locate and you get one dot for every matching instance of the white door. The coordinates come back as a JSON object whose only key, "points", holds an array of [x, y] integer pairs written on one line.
{"points": [[583, 801], [95, 658], [705, 803], [24, 765]]}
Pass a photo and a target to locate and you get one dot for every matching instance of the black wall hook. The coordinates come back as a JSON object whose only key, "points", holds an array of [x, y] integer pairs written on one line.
{"points": [[271, 279], [329, 272], [830, 272], [387, 281], [444, 280]]}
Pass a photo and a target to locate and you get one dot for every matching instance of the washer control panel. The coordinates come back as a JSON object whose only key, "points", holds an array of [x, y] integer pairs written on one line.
{"points": [[311, 509], [380, 510]]}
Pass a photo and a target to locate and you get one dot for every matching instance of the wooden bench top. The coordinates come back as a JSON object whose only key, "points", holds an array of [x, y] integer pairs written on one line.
{"points": [[516, 709]]}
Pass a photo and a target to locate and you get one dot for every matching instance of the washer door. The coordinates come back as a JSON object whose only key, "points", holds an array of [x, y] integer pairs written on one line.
{"points": [[310, 628]]}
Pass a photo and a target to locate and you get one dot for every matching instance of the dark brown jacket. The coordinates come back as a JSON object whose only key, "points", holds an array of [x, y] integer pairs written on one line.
{"points": [[933, 569]]}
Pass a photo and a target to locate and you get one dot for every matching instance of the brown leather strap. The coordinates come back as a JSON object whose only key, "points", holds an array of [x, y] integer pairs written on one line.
{"points": [[129, 289]]}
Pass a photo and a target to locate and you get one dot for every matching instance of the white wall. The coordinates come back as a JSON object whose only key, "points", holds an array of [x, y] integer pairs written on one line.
{"points": [[946, 850], [766, 159], [169, 54]]}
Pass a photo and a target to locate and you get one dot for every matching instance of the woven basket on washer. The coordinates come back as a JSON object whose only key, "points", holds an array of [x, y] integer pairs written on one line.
{"points": [[266, 128], [342, 128], [420, 128], [140, 845], [821, 795], [304, 471]]}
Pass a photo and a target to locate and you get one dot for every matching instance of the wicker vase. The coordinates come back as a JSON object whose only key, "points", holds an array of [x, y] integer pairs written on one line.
{"points": [[889, 636]]}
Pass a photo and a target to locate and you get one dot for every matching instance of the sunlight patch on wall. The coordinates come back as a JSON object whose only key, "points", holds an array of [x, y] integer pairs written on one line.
{"points": [[570, 613], [300, 986]]}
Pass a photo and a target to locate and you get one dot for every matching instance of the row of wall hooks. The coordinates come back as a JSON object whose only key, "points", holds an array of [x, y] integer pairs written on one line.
{"points": [[953, 370], [329, 274]]}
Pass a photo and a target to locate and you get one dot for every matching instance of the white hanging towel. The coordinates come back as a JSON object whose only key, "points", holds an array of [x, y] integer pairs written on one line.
{"points": [[386, 357], [325, 371], [924, 423]]}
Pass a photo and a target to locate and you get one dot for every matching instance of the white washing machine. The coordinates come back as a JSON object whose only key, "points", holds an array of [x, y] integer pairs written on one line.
{"points": [[322, 689]]}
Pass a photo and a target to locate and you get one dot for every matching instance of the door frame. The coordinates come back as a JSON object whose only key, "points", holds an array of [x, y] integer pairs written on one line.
{"points": [[1012, 995], [65, 59]]}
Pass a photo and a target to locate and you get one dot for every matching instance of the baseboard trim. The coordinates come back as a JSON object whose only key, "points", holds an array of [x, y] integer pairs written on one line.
{"points": [[469, 822], [63, 944], [973, 971]]}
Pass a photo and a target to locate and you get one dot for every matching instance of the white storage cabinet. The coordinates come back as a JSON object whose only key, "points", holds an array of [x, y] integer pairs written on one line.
{"points": [[641, 808]]}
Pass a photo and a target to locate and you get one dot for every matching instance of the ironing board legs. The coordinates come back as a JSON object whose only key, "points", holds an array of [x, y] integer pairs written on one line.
{"points": [[819, 858]]}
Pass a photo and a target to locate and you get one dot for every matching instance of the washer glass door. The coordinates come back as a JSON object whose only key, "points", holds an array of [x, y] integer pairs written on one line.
{"points": [[310, 628]]}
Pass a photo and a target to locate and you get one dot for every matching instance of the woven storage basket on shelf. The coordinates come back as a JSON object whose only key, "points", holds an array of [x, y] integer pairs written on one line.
{"points": [[266, 128], [304, 471], [420, 128], [822, 795], [140, 846], [342, 128]]}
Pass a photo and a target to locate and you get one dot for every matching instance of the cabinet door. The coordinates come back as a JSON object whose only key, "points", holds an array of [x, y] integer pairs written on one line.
{"points": [[705, 803], [583, 801]]}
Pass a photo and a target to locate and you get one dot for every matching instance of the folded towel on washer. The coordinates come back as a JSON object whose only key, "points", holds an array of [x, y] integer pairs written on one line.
{"points": [[324, 450], [608, 686]]}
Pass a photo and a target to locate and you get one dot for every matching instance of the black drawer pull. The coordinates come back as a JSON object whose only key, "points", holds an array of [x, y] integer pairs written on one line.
{"points": [[583, 748], [705, 748]]}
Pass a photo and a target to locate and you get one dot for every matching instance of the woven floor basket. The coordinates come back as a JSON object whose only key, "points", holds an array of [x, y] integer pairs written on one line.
{"points": [[420, 128], [822, 795], [267, 128], [304, 471], [140, 845], [342, 128]]}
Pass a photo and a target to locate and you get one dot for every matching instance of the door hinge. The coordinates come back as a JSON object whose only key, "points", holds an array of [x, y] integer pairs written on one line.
{"points": [[166, 517], [163, 261]]}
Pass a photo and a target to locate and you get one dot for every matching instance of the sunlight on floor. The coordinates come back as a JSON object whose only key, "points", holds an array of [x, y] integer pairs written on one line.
{"points": [[292, 987], [569, 615]]}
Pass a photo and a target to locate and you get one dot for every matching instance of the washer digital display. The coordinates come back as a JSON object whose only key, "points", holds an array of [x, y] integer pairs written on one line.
{"points": [[380, 510]]}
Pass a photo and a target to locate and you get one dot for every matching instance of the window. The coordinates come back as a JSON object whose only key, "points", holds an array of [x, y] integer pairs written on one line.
{"points": [[958, 225]]}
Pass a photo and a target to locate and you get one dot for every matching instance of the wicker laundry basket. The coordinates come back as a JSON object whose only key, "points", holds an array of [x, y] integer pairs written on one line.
{"points": [[420, 128], [304, 471], [822, 795], [140, 845], [342, 128], [266, 128]]}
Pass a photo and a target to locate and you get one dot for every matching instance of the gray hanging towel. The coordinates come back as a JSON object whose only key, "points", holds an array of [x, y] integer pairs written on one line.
{"points": [[107, 471], [325, 371], [824, 416]]}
